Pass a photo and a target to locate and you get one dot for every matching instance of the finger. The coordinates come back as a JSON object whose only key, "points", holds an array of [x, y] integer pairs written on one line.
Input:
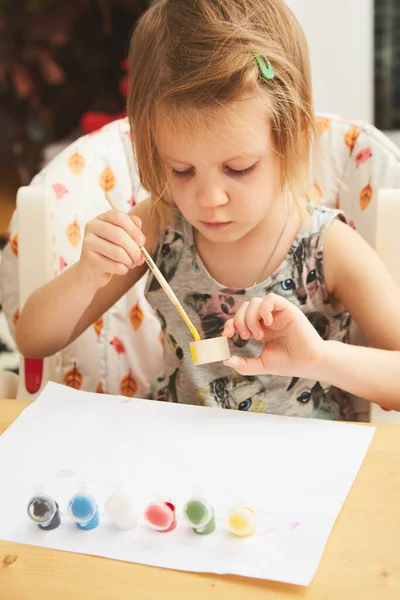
{"points": [[109, 250], [118, 236], [229, 329], [240, 322], [274, 302], [102, 264], [246, 366], [253, 318], [137, 221], [274, 307], [125, 222]]}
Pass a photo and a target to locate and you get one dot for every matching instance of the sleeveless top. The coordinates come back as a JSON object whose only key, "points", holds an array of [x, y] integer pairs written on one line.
{"points": [[299, 278]]}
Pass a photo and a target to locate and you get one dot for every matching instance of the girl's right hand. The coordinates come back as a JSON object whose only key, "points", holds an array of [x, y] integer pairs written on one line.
{"points": [[111, 246]]}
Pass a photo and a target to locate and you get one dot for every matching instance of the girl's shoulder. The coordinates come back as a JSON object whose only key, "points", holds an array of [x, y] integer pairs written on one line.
{"points": [[311, 237], [320, 217]]}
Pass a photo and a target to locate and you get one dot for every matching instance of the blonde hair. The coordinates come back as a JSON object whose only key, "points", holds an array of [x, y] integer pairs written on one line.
{"points": [[190, 57]]}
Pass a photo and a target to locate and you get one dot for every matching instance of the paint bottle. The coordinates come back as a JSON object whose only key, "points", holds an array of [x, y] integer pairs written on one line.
{"points": [[161, 516], [44, 510], [84, 509], [241, 520], [200, 515], [120, 508]]}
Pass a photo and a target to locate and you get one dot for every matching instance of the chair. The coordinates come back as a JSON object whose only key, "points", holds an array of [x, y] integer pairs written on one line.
{"points": [[106, 357], [361, 175], [70, 192]]}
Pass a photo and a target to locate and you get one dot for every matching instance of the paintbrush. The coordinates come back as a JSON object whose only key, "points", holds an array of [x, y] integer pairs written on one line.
{"points": [[163, 283]]}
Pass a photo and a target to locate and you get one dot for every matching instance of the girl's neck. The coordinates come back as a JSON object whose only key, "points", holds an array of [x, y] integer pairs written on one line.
{"points": [[239, 264]]}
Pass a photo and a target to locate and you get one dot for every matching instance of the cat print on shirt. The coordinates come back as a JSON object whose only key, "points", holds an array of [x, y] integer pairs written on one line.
{"points": [[306, 276], [235, 392], [299, 278], [305, 397], [169, 338], [238, 392], [214, 310], [320, 323], [169, 254], [167, 393]]}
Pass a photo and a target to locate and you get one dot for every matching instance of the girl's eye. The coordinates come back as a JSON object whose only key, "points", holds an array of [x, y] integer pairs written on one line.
{"points": [[186, 174], [241, 172]]}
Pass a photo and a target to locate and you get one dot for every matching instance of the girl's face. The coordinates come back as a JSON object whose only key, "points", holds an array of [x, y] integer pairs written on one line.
{"points": [[226, 180]]}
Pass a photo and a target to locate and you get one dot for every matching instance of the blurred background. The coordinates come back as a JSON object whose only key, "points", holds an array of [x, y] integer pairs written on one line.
{"points": [[63, 72]]}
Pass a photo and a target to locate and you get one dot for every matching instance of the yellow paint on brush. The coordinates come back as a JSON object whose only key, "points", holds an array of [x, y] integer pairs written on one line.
{"points": [[188, 322], [195, 333], [193, 353]]}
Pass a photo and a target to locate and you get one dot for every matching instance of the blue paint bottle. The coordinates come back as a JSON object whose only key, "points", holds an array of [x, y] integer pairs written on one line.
{"points": [[84, 509]]}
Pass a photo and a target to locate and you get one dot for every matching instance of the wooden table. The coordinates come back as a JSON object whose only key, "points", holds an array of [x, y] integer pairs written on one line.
{"points": [[361, 561]]}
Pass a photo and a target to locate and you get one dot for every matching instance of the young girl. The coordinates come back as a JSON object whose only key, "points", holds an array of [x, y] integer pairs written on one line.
{"points": [[223, 129]]}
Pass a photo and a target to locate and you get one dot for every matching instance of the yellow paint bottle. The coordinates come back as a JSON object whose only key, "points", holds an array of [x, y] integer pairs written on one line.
{"points": [[241, 521]]}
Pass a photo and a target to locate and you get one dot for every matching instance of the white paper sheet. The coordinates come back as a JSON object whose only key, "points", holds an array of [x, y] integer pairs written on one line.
{"points": [[295, 474]]}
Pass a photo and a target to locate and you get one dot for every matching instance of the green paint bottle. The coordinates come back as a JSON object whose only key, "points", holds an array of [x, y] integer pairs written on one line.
{"points": [[200, 515]]}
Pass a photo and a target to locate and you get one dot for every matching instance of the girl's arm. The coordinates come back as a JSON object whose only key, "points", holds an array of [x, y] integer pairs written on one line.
{"points": [[366, 372], [110, 264], [356, 277]]}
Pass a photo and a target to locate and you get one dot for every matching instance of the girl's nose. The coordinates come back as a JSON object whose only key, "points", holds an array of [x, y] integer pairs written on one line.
{"points": [[211, 195]]}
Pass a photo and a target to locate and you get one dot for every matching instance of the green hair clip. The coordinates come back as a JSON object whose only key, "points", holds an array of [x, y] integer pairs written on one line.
{"points": [[265, 67]]}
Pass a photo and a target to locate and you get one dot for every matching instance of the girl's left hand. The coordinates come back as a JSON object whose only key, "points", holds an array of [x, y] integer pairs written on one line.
{"points": [[291, 345]]}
